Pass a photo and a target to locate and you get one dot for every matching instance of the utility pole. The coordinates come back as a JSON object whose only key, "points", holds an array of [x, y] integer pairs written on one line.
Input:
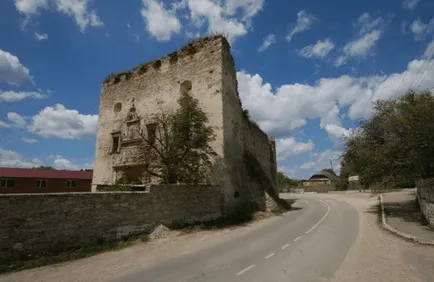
{"points": [[331, 164]]}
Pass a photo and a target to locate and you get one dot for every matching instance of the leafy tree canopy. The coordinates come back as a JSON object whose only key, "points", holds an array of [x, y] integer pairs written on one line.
{"points": [[396, 144]]}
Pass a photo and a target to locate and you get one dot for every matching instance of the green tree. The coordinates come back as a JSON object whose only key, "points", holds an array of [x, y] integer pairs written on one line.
{"points": [[396, 144], [284, 182], [179, 150]]}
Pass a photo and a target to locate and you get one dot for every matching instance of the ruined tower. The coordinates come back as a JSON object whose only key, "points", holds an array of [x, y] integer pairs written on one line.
{"points": [[246, 153]]}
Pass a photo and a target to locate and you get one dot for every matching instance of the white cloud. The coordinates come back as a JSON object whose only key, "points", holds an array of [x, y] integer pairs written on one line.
{"points": [[293, 104], [369, 32], [289, 147], [318, 50], [321, 161], [12, 71], [12, 96], [62, 163], [78, 9], [336, 132], [267, 42], [10, 158], [304, 23], [30, 7], [420, 30], [160, 22], [429, 51], [4, 124], [207, 11], [13, 159], [30, 140], [179, 5], [363, 45], [41, 36], [16, 119], [249, 8], [410, 4], [63, 123]]}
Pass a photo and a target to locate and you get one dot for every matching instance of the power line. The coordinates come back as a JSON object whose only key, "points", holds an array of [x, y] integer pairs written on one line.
{"points": [[406, 72], [424, 77], [424, 66]]}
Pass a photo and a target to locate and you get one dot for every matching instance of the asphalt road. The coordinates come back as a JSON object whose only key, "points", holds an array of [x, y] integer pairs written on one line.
{"points": [[307, 244]]}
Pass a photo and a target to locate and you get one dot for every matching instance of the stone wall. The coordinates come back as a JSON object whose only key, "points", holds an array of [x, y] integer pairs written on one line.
{"points": [[250, 154], [40, 224], [155, 86], [425, 196]]}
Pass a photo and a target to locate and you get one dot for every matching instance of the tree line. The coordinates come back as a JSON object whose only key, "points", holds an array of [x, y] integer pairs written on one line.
{"points": [[395, 146]]}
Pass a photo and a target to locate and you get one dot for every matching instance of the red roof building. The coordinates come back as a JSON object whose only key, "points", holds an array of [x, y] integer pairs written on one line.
{"points": [[27, 180]]}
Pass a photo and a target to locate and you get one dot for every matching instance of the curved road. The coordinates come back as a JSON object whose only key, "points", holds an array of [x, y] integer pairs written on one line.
{"points": [[306, 244]]}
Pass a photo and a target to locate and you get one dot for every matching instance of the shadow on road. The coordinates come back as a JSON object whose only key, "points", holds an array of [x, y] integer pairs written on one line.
{"points": [[243, 218], [408, 211]]}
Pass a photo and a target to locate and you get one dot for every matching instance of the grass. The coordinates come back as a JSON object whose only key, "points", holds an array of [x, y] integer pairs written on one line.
{"points": [[72, 255]]}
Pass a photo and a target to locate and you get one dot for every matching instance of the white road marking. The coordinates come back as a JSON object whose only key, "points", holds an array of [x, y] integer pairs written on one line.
{"points": [[327, 213], [246, 269], [298, 238], [270, 255], [285, 246]]}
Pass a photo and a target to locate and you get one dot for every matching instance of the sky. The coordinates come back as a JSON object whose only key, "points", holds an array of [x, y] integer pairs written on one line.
{"points": [[308, 70]]}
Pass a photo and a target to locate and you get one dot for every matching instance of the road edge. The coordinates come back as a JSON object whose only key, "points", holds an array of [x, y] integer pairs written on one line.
{"points": [[403, 235]]}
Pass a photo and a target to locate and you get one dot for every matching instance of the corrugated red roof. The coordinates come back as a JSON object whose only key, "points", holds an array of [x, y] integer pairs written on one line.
{"points": [[45, 173]]}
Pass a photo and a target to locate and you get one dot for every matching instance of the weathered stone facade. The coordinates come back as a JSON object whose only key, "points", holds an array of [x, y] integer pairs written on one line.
{"points": [[35, 225], [425, 196], [246, 155]]}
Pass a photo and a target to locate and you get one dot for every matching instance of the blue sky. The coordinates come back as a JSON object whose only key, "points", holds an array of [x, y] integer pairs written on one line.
{"points": [[307, 70]]}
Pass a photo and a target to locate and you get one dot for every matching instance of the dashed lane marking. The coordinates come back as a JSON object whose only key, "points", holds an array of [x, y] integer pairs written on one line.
{"points": [[298, 238], [270, 255], [246, 269], [285, 246]]}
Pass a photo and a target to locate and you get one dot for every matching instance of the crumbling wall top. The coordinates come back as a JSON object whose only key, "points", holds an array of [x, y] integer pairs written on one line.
{"points": [[189, 49]]}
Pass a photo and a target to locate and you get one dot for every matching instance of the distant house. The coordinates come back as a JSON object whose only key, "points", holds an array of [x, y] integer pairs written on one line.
{"points": [[323, 180], [26, 180]]}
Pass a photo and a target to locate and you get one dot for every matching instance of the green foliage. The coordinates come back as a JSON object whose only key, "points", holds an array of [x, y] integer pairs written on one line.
{"points": [[284, 182], [181, 152], [341, 184], [396, 145]]}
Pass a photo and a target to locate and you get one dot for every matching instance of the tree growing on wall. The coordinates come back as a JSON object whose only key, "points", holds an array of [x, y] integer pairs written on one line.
{"points": [[396, 144], [177, 143]]}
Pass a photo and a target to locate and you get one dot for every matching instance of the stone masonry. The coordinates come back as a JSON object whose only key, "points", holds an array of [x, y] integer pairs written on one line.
{"points": [[425, 196], [246, 155], [36, 225]]}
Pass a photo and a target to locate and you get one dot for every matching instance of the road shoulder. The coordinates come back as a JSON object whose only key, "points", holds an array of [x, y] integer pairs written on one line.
{"points": [[379, 256], [401, 216]]}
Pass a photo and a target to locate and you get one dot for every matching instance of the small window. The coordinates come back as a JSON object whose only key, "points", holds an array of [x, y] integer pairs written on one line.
{"points": [[236, 194], [116, 143], [71, 184], [118, 107], [151, 128], [7, 183], [41, 183]]}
